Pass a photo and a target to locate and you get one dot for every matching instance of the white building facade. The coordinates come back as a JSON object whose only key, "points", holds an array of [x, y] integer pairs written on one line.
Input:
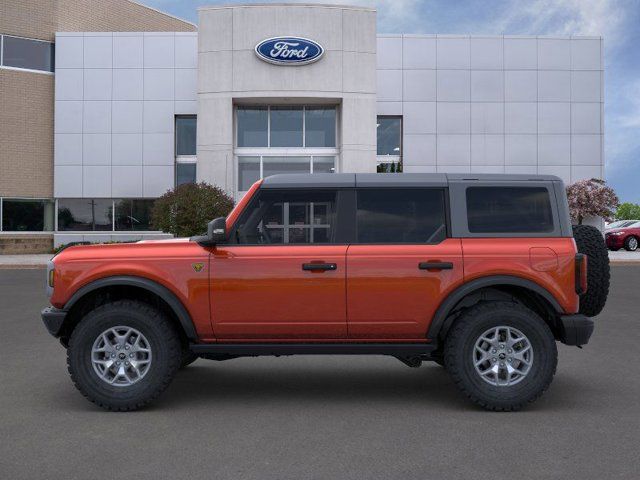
{"points": [[128, 106]]}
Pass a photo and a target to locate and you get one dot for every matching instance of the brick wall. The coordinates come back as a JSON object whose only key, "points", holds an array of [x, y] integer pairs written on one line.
{"points": [[26, 134], [42, 18], [26, 116]]}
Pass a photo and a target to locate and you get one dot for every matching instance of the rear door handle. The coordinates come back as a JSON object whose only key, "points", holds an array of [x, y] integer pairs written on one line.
{"points": [[435, 266], [313, 267]]}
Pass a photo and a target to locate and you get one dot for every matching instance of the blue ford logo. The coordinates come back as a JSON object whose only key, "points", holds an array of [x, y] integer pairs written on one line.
{"points": [[289, 50]]}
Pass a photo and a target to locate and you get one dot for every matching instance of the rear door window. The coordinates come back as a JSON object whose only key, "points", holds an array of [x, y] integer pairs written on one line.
{"points": [[410, 215], [509, 210]]}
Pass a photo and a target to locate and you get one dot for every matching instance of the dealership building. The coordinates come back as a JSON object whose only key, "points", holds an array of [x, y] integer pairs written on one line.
{"points": [[109, 110]]}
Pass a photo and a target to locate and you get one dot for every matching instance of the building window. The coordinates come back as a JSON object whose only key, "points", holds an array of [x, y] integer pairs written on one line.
{"points": [[253, 168], [284, 139], [85, 215], [286, 126], [185, 172], [253, 127], [389, 140], [97, 215], [27, 54], [26, 215], [133, 215], [320, 127], [186, 160]]}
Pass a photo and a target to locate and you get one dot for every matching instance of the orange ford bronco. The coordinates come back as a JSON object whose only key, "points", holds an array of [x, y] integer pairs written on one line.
{"points": [[479, 273]]}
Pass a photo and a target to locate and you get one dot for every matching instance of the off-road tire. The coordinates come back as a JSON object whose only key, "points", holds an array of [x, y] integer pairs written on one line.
{"points": [[188, 357], [590, 242], [165, 346], [460, 344], [627, 244]]}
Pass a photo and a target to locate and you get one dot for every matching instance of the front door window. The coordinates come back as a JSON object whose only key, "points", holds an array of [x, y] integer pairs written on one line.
{"points": [[288, 217]]}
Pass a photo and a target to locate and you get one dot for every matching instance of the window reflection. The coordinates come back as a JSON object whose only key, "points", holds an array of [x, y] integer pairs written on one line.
{"points": [[253, 124], [286, 126], [26, 53], [389, 134], [85, 214], [133, 214], [22, 215]]}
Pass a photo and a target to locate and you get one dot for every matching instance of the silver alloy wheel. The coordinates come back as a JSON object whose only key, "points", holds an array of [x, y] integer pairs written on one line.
{"points": [[502, 356], [632, 243], [121, 356]]}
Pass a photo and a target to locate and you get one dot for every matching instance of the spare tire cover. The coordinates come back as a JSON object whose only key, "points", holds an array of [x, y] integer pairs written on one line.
{"points": [[589, 241]]}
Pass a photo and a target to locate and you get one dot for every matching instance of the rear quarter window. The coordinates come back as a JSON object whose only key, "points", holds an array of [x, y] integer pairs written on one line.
{"points": [[509, 210]]}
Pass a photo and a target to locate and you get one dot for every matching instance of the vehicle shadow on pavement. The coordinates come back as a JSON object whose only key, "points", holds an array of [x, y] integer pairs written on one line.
{"points": [[428, 386]]}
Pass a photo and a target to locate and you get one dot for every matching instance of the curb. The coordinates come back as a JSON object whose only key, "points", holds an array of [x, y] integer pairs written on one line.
{"points": [[22, 267]]}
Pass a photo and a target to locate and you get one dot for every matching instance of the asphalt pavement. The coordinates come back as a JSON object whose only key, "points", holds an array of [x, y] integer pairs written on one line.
{"points": [[319, 417]]}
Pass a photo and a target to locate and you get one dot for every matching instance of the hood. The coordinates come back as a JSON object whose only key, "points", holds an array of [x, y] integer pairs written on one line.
{"points": [[122, 251], [166, 240]]}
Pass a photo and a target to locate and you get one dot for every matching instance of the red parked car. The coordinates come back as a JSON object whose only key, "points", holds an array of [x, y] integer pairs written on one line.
{"points": [[627, 237]]}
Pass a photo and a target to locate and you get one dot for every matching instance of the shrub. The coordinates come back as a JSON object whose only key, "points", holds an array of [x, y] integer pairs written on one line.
{"points": [[591, 198], [186, 210]]}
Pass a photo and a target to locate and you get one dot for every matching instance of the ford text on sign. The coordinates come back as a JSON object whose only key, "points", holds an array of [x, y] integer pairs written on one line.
{"points": [[289, 50]]}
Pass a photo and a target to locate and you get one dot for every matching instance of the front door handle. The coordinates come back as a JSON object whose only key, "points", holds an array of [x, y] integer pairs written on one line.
{"points": [[319, 267], [435, 266]]}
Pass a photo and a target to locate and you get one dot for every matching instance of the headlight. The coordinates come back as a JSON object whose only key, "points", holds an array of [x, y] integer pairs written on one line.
{"points": [[616, 233], [50, 278]]}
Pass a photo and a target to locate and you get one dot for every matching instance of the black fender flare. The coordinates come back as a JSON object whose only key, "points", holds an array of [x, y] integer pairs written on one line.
{"points": [[151, 286], [440, 317]]}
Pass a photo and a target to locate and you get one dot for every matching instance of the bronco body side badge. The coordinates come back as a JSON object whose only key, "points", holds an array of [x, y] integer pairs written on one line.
{"points": [[198, 267]]}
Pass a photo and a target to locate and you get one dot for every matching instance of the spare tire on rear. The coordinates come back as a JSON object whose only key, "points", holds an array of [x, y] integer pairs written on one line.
{"points": [[589, 241]]}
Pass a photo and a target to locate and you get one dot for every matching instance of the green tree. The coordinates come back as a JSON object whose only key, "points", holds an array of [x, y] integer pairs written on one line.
{"points": [[186, 210], [628, 211]]}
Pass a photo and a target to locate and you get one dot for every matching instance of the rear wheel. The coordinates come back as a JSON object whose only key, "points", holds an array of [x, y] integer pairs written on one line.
{"points": [[590, 242], [123, 354], [501, 355], [631, 244]]}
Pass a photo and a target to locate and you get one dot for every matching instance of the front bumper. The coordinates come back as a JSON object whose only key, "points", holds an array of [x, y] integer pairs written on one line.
{"points": [[575, 329], [53, 319]]}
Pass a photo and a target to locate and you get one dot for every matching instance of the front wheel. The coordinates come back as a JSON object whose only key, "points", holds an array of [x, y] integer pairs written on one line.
{"points": [[188, 357], [123, 354], [502, 355]]}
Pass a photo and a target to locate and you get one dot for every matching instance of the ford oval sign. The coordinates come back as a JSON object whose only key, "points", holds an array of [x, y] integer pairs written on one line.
{"points": [[289, 51]]}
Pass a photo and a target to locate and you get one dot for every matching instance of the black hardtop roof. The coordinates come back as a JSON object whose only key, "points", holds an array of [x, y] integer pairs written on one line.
{"points": [[346, 180]]}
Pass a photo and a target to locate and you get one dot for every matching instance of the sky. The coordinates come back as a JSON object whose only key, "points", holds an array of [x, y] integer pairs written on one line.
{"points": [[617, 21]]}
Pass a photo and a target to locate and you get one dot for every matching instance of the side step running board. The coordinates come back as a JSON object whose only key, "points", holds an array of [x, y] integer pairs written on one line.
{"points": [[259, 349]]}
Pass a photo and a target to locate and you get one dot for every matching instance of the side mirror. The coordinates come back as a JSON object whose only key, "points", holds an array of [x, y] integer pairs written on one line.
{"points": [[217, 230], [216, 233]]}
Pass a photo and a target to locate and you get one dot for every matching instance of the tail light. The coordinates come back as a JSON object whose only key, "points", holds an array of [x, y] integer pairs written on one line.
{"points": [[581, 273], [51, 275]]}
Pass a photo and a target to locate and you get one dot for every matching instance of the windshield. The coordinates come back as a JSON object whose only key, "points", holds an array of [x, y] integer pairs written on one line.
{"points": [[622, 224]]}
